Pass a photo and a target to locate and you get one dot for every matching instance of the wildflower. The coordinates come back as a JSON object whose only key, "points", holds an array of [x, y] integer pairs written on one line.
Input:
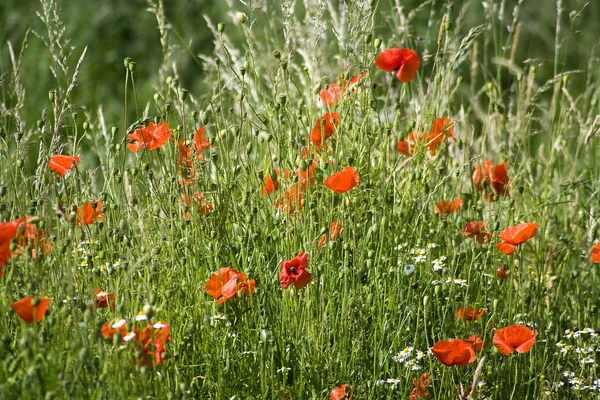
{"points": [[334, 233], [224, 285], [595, 254], [200, 143], [404, 62], [270, 184], [476, 341], [104, 299], [199, 201], [343, 181], [284, 369], [454, 352], [447, 207], [152, 341], [469, 313], [290, 199], [110, 328], [28, 235], [334, 92], [60, 164], [476, 229], [8, 231], [403, 354], [411, 143], [89, 213], [516, 235], [150, 137], [495, 178], [420, 388], [409, 269], [294, 271], [441, 128], [501, 273], [514, 337], [31, 310], [343, 392], [324, 126], [437, 264]]}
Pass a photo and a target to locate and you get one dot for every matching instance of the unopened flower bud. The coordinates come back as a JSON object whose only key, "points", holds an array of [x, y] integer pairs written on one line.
{"points": [[240, 17], [220, 27]]}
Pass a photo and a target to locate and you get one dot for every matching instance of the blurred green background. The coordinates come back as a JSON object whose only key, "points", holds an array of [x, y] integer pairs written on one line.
{"points": [[115, 29]]}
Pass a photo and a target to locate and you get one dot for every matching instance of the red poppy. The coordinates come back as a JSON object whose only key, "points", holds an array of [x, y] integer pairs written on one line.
{"points": [[199, 202], [469, 313], [224, 285], [152, 340], [454, 352], [594, 255], [477, 342], [447, 207], [343, 392], [89, 213], [495, 178], [514, 337], [334, 233], [331, 95], [104, 299], [294, 271], [306, 177], [324, 126], [8, 231], [476, 229], [411, 143], [516, 235], [60, 164], [150, 137], [30, 313], [28, 235], [441, 128], [291, 199], [200, 143], [343, 181], [420, 388], [405, 62], [110, 328]]}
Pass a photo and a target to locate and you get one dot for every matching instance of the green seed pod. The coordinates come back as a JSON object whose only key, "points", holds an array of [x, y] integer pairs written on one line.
{"points": [[220, 27], [376, 43], [277, 54]]}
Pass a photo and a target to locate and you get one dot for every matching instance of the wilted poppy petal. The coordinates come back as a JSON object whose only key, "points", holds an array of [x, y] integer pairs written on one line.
{"points": [[343, 181]]}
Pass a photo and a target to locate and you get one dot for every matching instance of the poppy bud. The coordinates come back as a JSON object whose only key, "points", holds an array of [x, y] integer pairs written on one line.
{"points": [[425, 301], [276, 54], [495, 304], [40, 124], [249, 148], [148, 311], [520, 77], [376, 43], [183, 93], [20, 163], [437, 290], [114, 130], [284, 65], [52, 95], [131, 66], [368, 38], [2, 191], [220, 27], [240, 17], [243, 72], [448, 26], [501, 273], [533, 70]]}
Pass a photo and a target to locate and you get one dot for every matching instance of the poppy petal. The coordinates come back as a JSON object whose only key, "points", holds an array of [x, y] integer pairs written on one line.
{"points": [[506, 248], [343, 181]]}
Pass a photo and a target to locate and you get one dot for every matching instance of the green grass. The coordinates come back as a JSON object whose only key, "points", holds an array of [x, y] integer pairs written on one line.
{"points": [[530, 100]]}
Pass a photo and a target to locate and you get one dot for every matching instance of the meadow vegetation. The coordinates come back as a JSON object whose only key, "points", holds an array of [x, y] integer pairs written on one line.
{"points": [[311, 199]]}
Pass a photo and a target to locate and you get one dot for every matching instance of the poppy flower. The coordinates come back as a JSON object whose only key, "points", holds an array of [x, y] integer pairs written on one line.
{"points": [[150, 137], [441, 128], [104, 299], [60, 164], [333, 93], [294, 271], [324, 127], [306, 177], [594, 255], [343, 181], [514, 337], [491, 180], [477, 342], [201, 143], [334, 233], [476, 229], [516, 235], [29, 312], [469, 313], [224, 285], [291, 199], [199, 202], [112, 327], [343, 392], [8, 231], [454, 352], [89, 213], [28, 235], [447, 207], [420, 388], [501, 273], [405, 62], [152, 341]]}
